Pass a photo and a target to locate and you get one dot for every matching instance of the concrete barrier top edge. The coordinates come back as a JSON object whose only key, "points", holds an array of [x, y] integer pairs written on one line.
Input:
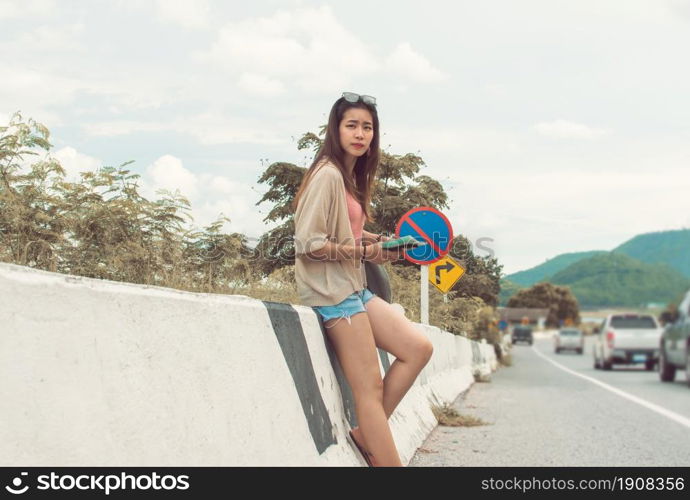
{"points": [[28, 275]]}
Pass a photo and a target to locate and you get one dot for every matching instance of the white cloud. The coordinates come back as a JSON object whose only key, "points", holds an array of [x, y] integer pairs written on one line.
{"points": [[260, 85], [209, 196], [455, 141], [48, 38], [123, 127], [408, 62], [207, 128], [13, 9], [167, 172], [564, 129], [74, 162], [680, 7], [39, 88], [186, 13], [214, 128], [39, 91], [225, 185], [310, 49], [496, 90], [244, 218]]}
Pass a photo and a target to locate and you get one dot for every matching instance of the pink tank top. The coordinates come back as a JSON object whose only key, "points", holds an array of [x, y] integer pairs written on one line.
{"points": [[356, 215]]}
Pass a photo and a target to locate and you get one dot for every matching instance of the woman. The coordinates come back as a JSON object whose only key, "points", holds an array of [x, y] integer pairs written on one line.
{"points": [[331, 207]]}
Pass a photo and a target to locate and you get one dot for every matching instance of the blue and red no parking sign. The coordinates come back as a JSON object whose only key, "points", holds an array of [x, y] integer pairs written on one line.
{"points": [[430, 225]]}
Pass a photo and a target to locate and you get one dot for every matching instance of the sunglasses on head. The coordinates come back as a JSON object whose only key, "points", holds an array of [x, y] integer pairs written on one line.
{"points": [[366, 99]]}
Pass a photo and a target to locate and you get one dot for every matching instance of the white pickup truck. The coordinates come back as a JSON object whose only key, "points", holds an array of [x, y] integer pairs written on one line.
{"points": [[627, 339]]}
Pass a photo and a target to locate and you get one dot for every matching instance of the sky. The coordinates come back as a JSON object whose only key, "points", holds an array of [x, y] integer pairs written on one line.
{"points": [[554, 126]]}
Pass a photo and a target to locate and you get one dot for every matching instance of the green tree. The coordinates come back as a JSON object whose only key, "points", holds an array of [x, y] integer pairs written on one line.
{"points": [[31, 220], [101, 226], [560, 302], [508, 289], [482, 274], [275, 248], [614, 279], [218, 260]]}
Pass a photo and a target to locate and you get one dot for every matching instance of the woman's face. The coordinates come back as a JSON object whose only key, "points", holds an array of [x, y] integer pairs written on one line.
{"points": [[356, 132]]}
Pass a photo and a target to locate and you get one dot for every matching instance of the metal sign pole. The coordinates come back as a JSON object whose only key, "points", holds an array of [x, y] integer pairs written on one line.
{"points": [[424, 299]]}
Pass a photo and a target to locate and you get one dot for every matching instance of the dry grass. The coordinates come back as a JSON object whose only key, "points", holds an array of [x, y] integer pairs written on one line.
{"points": [[447, 415], [484, 379]]}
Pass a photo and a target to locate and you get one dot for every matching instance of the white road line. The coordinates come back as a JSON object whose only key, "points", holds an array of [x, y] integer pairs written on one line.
{"points": [[642, 402]]}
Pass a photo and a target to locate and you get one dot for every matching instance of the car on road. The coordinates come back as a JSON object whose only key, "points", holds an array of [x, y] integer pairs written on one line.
{"points": [[674, 347], [627, 339], [522, 333], [569, 338]]}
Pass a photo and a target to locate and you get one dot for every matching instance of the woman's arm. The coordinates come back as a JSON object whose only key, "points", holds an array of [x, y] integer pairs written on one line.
{"points": [[370, 238], [373, 253], [335, 251]]}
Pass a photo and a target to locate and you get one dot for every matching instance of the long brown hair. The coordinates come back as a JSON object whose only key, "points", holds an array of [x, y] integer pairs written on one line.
{"points": [[365, 166]]}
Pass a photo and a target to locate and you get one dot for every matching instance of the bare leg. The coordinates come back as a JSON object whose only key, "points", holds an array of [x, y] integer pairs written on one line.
{"points": [[356, 350], [396, 334]]}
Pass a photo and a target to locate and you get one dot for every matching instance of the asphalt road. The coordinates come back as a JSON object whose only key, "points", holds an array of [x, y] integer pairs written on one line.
{"points": [[552, 409]]}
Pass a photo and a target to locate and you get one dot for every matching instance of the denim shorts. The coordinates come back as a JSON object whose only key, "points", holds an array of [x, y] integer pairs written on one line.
{"points": [[352, 304]]}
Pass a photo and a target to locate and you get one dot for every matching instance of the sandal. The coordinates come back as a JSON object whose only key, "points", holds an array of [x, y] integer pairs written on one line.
{"points": [[363, 451]]}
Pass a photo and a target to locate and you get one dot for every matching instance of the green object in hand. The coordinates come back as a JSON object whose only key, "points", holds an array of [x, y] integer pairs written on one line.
{"points": [[404, 242]]}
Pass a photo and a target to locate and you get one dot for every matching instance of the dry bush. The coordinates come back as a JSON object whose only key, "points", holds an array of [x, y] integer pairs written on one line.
{"points": [[447, 415]]}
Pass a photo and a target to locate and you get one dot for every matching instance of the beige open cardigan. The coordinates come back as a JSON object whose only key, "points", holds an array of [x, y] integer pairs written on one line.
{"points": [[322, 216]]}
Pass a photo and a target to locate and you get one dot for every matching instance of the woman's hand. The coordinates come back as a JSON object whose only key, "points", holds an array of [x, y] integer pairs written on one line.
{"points": [[378, 255]]}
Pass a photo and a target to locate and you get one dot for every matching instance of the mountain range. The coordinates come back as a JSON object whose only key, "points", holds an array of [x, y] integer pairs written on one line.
{"points": [[651, 267]]}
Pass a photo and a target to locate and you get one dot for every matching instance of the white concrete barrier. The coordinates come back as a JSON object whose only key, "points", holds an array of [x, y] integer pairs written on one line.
{"points": [[101, 373]]}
